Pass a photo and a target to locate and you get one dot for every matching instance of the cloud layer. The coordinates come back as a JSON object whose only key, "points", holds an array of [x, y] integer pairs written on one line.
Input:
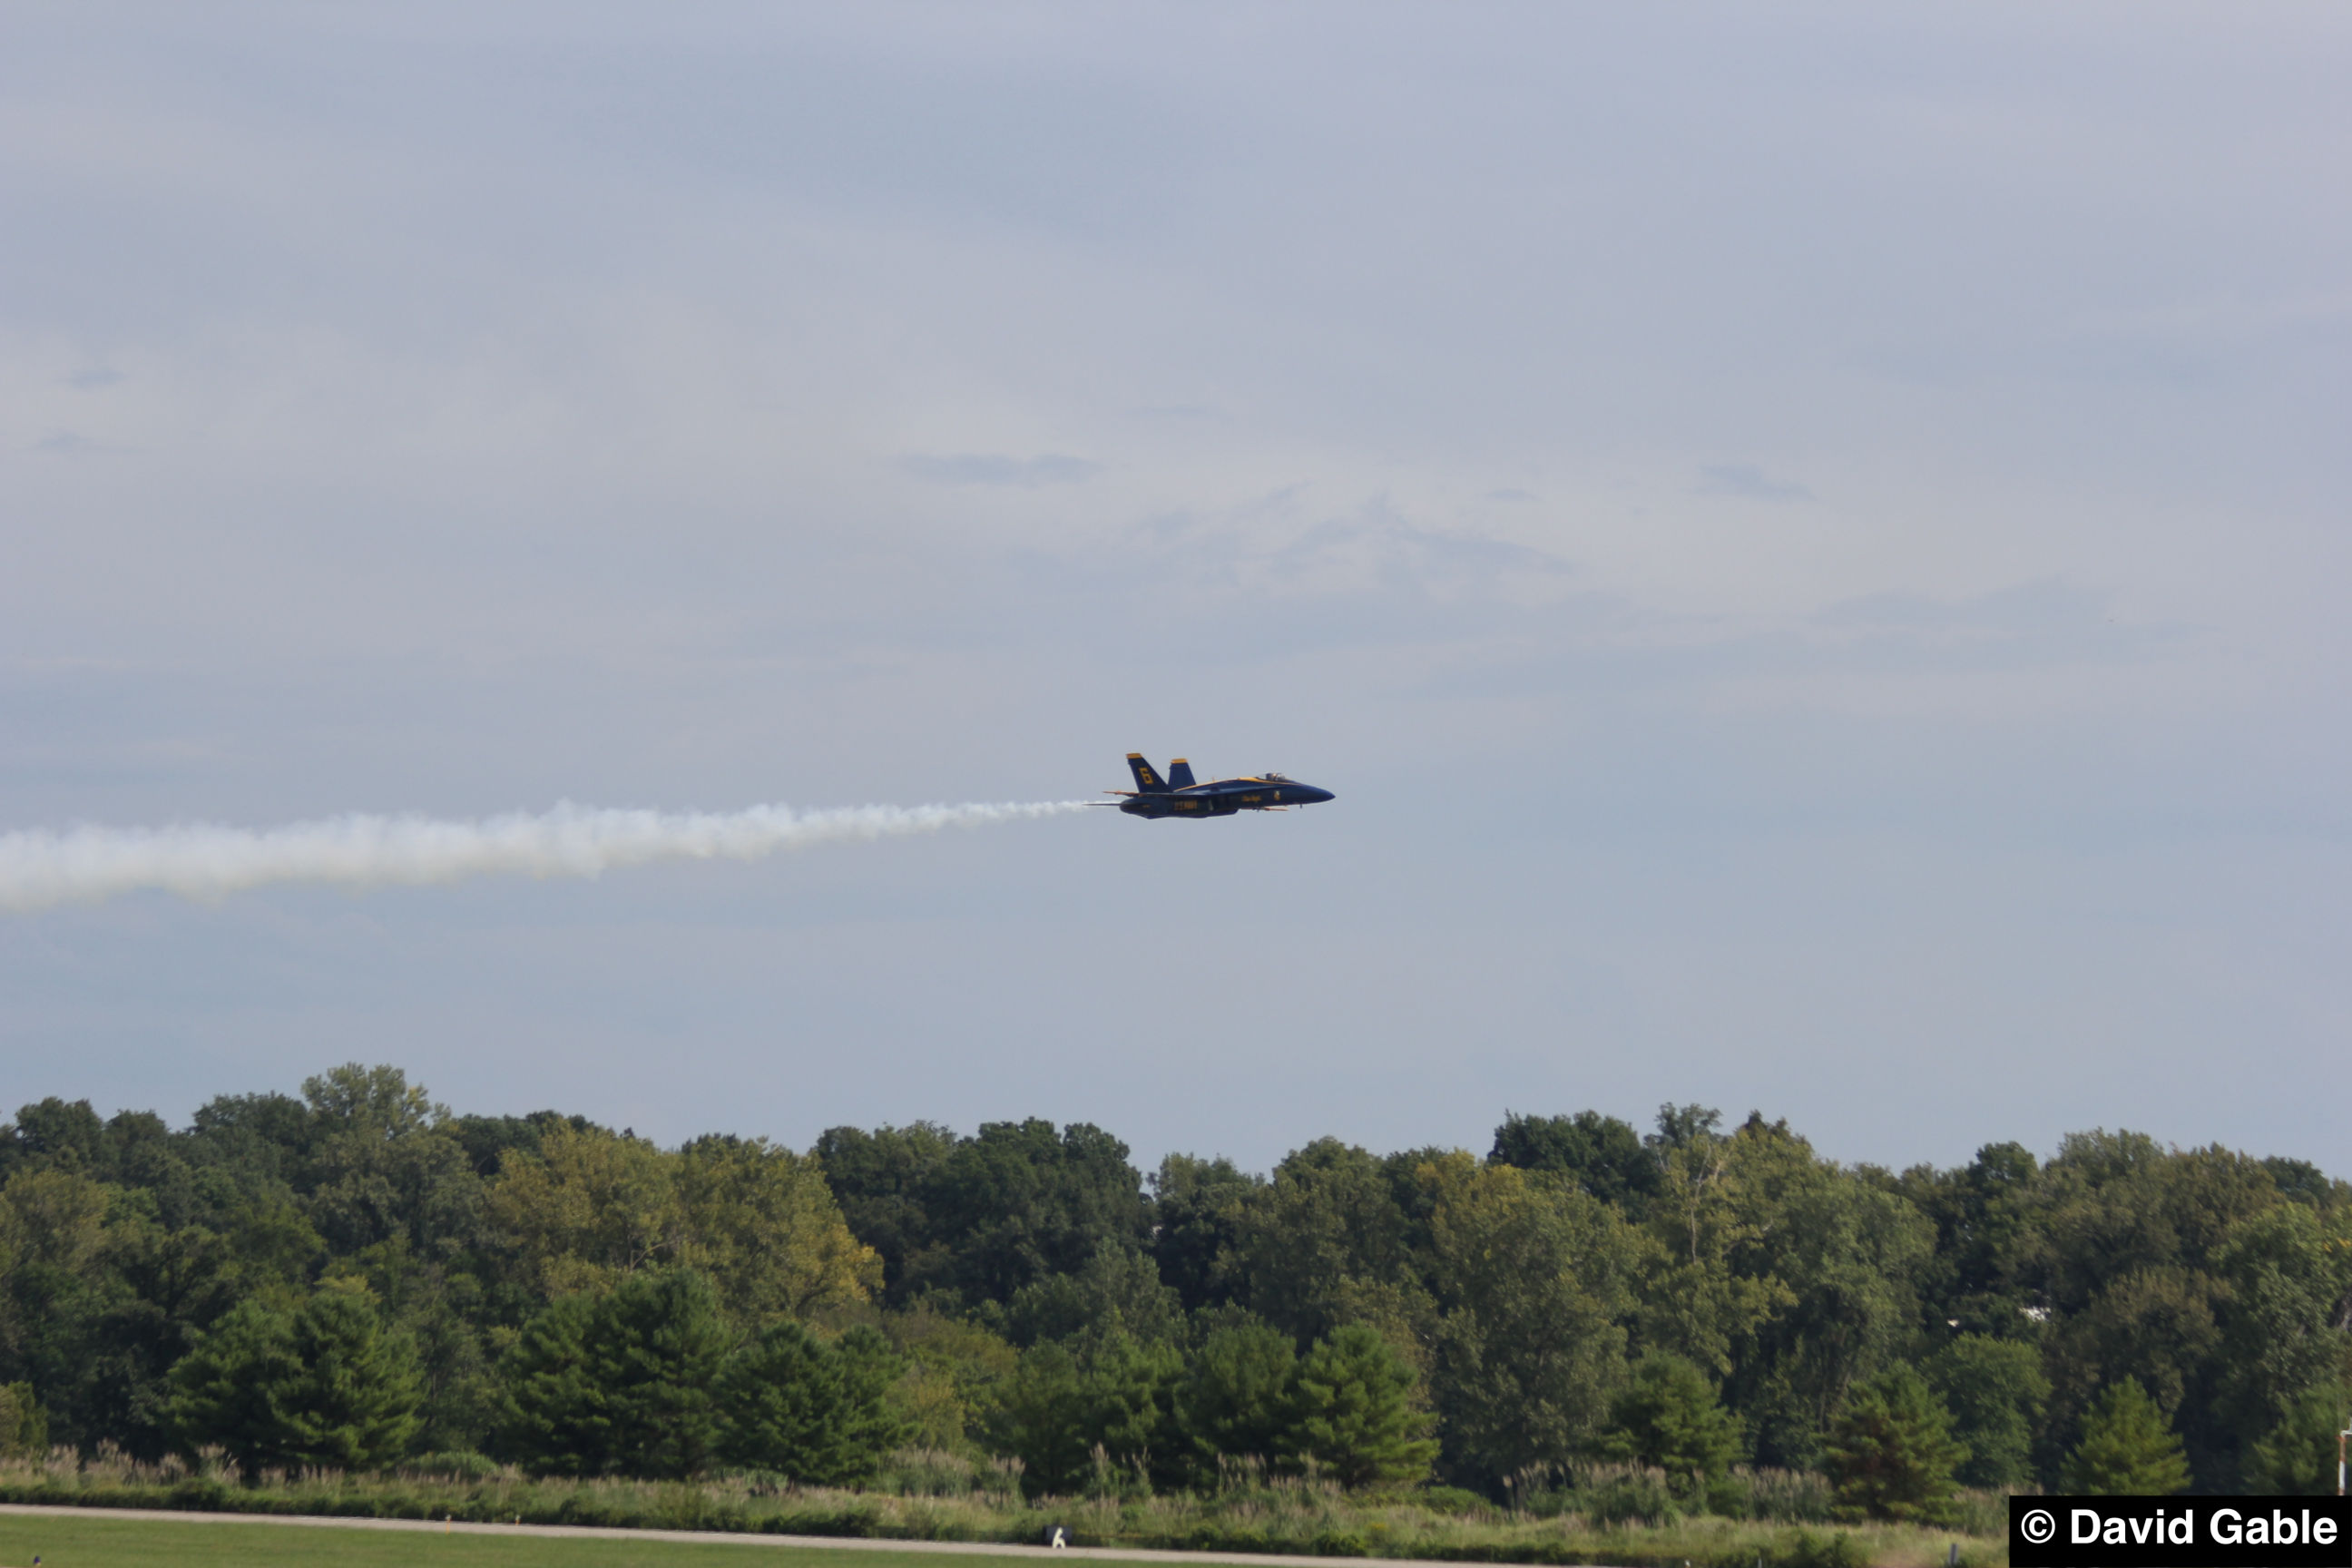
{"points": [[1810, 547]]}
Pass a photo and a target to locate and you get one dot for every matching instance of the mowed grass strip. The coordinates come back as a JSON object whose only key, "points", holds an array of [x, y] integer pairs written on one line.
{"points": [[97, 1542]]}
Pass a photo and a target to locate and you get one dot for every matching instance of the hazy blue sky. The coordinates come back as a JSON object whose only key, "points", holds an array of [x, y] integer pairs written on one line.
{"points": [[1811, 541]]}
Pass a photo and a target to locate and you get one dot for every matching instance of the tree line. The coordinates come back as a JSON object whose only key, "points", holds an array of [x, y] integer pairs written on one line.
{"points": [[357, 1277]]}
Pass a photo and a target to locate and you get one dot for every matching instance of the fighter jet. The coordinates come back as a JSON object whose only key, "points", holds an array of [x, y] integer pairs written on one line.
{"points": [[1178, 796]]}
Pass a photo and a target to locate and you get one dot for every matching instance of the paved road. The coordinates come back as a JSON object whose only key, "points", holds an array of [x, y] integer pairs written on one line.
{"points": [[703, 1537]]}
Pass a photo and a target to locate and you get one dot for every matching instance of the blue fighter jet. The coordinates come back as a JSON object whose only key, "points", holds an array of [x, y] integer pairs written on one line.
{"points": [[1178, 796]]}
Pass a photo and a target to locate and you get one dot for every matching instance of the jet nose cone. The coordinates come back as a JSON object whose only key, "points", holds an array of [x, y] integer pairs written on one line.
{"points": [[1317, 797]]}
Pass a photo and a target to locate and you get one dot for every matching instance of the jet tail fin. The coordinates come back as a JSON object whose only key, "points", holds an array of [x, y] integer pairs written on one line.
{"points": [[1180, 774], [1146, 781]]}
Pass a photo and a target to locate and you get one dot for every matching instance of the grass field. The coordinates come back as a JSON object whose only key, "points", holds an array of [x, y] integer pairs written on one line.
{"points": [[1621, 1516], [97, 1542]]}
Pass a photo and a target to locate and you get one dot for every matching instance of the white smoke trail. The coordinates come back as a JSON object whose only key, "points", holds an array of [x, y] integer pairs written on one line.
{"points": [[39, 868]]}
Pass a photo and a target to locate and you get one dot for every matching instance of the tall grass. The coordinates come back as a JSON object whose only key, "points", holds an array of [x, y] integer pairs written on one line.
{"points": [[1635, 1494], [1597, 1514]]}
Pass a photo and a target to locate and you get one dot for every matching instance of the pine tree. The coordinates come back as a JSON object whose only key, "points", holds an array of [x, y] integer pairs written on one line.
{"points": [[2128, 1450], [1891, 1453], [1063, 1410], [226, 1391], [654, 1348], [1669, 1418], [354, 1404], [1351, 1412], [619, 1383], [554, 1421], [1130, 1395], [326, 1384], [1235, 1397], [1043, 1420], [819, 1414]]}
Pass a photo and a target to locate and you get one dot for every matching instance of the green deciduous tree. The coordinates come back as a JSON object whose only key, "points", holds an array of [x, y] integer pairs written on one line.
{"points": [[52, 1218], [879, 1179], [2288, 1271], [1533, 1276], [283, 1250], [1996, 1392], [1116, 1291], [2128, 1256], [57, 1285], [1986, 1219], [1850, 1254], [1891, 1453], [1312, 1241], [2128, 1450], [1118, 1397], [1023, 1200], [955, 1369], [760, 1221], [53, 1134], [1705, 1288], [379, 1100], [1599, 1155], [1196, 1209], [24, 1424], [2157, 1326], [415, 1187], [2298, 1456], [589, 1207]]}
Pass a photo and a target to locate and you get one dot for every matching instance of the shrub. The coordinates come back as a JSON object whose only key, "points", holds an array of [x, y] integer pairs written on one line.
{"points": [[1803, 1549]]}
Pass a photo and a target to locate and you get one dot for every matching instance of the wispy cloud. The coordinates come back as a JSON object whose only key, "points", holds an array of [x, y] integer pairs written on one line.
{"points": [[1748, 482], [996, 468], [90, 380], [2047, 622]]}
